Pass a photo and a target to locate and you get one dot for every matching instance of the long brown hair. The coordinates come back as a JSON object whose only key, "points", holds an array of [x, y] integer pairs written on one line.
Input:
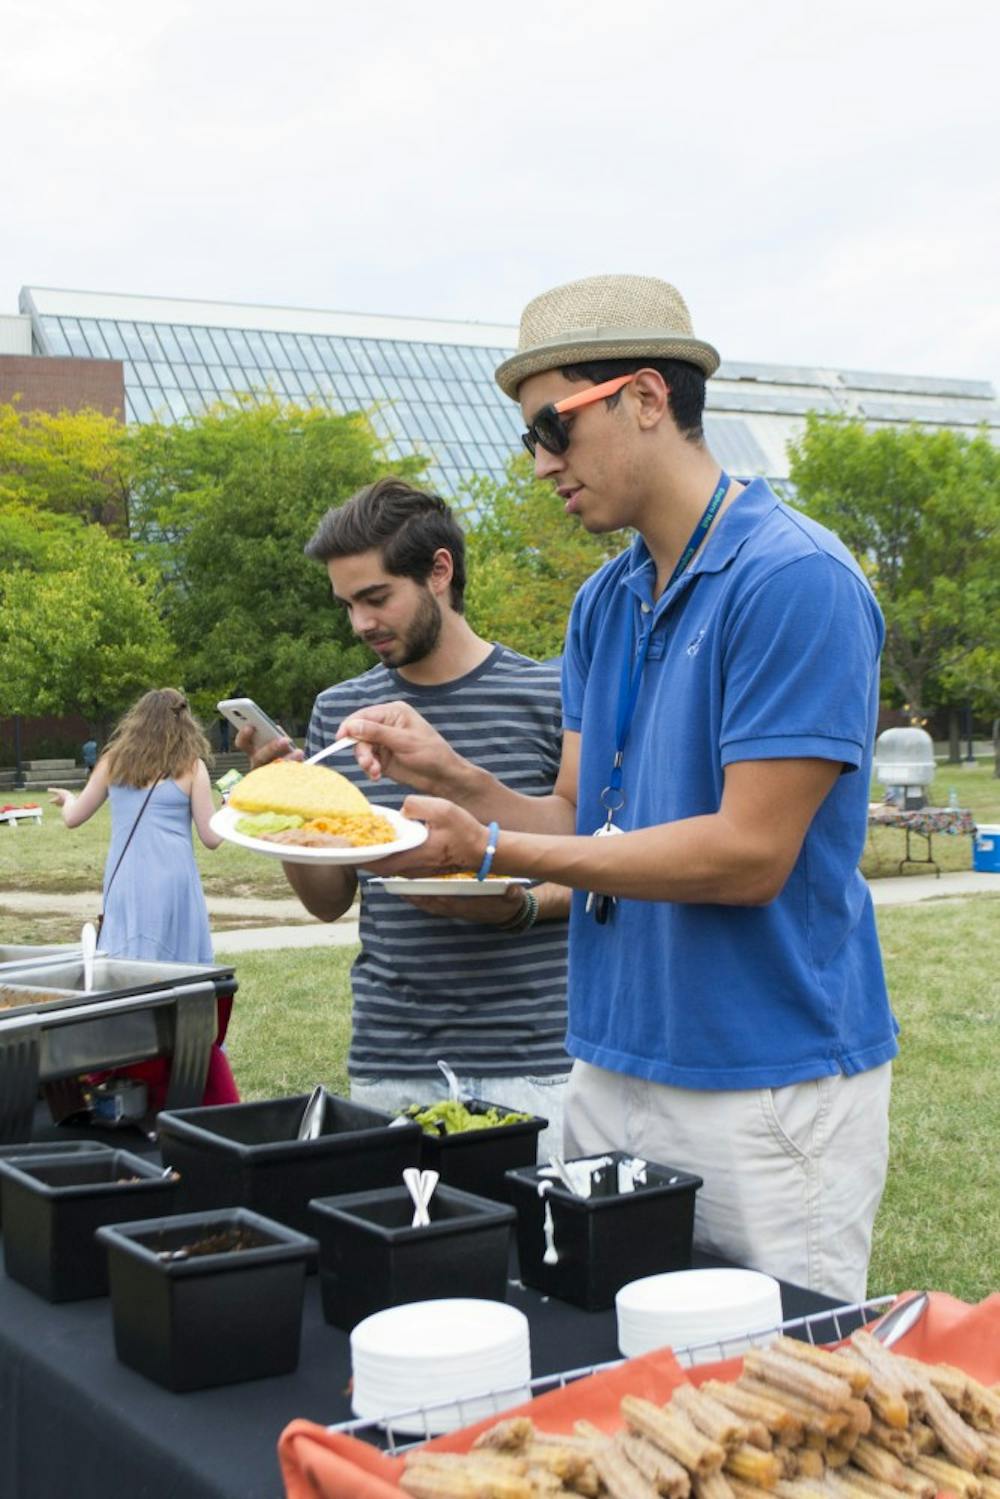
{"points": [[157, 738]]}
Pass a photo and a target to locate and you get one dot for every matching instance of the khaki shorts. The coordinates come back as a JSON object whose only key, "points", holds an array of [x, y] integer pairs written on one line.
{"points": [[793, 1176]]}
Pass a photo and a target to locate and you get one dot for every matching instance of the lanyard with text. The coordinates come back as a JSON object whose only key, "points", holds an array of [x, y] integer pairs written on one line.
{"points": [[613, 797]]}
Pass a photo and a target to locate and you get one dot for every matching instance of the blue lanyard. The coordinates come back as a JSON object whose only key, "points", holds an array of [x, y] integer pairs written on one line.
{"points": [[631, 676]]}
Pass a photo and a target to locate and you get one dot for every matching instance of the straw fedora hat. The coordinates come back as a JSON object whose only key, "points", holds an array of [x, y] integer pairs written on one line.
{"points": [[604, 317]]}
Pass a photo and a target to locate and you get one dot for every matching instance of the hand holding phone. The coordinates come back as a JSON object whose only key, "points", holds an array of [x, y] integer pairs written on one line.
{"points": [[246, 717]]}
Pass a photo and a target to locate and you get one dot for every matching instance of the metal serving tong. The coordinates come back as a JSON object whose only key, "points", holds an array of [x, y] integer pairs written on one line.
{"points": [[904, 1315]]}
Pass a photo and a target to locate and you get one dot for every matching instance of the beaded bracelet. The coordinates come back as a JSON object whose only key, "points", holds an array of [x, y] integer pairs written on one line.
{"points": [[525, 918], [492, 834]]}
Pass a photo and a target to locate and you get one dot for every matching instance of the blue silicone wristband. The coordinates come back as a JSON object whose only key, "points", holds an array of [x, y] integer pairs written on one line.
{"points": [[492, 834]]}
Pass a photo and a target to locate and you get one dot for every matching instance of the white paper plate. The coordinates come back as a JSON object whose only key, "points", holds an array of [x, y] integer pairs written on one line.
{"points": [[410, 834], [397, 884], [410, 1358]]}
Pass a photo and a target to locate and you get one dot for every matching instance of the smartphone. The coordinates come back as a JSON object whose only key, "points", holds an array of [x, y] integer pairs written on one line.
{"points": [[243, 712]]}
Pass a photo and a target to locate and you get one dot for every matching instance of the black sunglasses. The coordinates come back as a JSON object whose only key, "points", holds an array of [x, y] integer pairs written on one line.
{"points": [[548, 427]]}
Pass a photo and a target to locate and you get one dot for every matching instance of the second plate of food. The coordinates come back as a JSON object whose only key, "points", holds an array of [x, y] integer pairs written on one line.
{"points": [[447, 885]]}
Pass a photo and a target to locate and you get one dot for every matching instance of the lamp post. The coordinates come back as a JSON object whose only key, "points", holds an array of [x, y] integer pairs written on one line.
{"points": [[970, 758], [19, 781]]}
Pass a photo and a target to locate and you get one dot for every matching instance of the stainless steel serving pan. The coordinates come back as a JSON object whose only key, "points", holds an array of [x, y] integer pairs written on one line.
{"points": [[17, 954], [51, 1029]]}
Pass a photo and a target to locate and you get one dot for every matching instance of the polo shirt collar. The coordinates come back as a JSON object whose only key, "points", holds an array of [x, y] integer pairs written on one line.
{"points": [[742, 518]]}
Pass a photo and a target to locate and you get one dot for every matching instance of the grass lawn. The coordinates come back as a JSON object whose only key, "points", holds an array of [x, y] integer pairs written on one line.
{"points": [[55, 858], [938, 1226], [52, 858]]}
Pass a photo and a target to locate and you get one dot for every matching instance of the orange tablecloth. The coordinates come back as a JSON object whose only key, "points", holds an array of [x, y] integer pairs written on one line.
{"points": [[321, 1464]]}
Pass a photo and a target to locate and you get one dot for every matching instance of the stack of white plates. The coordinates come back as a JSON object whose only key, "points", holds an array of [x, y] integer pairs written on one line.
{"points": [[428, 1354], [688, 1307]]}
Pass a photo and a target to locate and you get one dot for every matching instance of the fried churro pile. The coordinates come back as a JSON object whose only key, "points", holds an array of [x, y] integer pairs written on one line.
{"points": [[799, 1423]]}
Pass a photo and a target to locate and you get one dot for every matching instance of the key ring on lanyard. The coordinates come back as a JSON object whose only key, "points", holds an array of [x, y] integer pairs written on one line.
{"points": [[613, 796]]}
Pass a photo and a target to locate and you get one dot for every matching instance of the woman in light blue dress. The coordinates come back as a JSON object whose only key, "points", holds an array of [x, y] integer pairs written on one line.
{"points": [[153, 772]]}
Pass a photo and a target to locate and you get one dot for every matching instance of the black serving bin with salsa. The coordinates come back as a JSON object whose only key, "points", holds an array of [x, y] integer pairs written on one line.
{"points": [[477, 1160], [53, 1206], [371, 1256], [51, 1148], [248, 1155], [607, 1239], [204, 1299]]}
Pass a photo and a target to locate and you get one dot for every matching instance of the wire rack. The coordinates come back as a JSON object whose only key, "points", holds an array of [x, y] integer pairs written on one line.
{"points": [[395, 1433]]}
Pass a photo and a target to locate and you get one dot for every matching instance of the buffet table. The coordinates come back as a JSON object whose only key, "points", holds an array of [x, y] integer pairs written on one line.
{"points": [[924, 822], [73, 1420]]}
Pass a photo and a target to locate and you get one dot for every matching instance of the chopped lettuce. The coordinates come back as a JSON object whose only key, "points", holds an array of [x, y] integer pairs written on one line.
{"points": [[256, 823], [450, 1117]]}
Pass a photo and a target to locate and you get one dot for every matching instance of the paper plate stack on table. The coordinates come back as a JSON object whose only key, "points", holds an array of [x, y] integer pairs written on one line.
{"points": [[305, 814], [686, 1308], [427, 1353]]}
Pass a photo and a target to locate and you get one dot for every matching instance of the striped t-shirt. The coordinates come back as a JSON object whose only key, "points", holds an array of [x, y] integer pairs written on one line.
{"points": [[490, 1003]]}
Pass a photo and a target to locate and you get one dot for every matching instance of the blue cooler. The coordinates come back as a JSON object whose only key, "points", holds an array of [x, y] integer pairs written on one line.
{"points": [[986, 848]]}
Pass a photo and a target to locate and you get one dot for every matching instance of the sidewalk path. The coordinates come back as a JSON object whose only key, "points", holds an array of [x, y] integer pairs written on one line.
{"points": [[308, 932]]}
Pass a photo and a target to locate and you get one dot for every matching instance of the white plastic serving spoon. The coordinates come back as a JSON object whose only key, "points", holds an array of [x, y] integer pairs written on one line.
{"points": [[88, 945]]}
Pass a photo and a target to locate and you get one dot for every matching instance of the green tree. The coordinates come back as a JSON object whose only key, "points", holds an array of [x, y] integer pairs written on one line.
{"points": [[223, 507], [527, 559], [73, 463], [80, 633], [921, 512]]}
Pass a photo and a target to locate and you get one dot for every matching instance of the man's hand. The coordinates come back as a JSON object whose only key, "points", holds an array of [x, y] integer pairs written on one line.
{"points": [[275, 749], [395, 741], [455, 842]]}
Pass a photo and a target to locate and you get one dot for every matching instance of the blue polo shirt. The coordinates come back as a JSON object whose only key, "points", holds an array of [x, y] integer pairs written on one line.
{"points": [[767, 648]]}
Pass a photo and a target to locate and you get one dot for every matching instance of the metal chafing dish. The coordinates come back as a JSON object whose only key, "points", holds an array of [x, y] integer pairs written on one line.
{"points": [[18, 953], [52, 1029]]}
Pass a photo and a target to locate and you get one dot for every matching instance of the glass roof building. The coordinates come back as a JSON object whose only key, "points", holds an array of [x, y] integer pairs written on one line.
{"points": [[428, 384]]}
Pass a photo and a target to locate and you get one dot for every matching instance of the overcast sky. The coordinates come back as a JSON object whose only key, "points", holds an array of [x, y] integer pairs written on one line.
{"points": [[820, 180]]}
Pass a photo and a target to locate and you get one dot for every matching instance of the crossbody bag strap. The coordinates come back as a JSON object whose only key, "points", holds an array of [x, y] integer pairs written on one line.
{"points": [[131, 834]]}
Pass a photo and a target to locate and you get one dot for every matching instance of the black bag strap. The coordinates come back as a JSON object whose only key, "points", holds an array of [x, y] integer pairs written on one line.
{"points": [[128, 840]]}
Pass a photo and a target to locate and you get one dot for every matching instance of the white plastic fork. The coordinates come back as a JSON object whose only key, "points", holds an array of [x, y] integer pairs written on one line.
{"points": [[331, 749]]}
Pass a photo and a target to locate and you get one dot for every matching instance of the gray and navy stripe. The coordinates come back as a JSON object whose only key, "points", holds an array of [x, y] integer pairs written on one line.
{"points": [[428, 987]]}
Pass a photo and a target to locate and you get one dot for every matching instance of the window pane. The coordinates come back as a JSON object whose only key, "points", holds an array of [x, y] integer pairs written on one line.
{"points": [[178, 403], [275, 352], [240, 346], [312, 354], [169, 343], [55, 335], [224, 349], [258, 349], [75, 339], [185, 339], [140, 405], [164, 373], [150, 342], [95, 343], [205, 344]]}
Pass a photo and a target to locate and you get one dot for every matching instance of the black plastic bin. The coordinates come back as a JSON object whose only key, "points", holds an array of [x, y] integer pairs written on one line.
{"points": [[371, 1256], [477, 1160], [54, 1204], [247, 1155], [48, 1148], [208, 1318], [605, 1240]]}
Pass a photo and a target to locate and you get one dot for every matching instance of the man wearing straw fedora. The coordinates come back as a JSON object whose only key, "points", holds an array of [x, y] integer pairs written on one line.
{"points": [[727, 1006]]}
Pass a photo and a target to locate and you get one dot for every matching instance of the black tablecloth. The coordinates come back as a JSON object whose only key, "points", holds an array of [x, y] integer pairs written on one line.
{"points": [[74, 1421]]}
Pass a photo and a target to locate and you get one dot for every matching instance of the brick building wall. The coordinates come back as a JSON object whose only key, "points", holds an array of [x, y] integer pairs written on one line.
{"points": [[45, 384]]}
